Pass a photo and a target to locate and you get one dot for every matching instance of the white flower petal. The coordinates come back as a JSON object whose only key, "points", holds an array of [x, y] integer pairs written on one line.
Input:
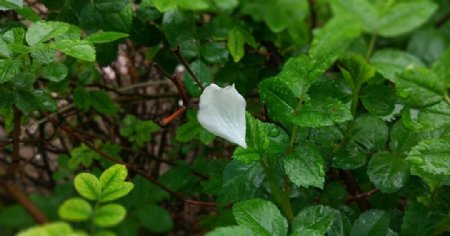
{"points": [[222, 112]]}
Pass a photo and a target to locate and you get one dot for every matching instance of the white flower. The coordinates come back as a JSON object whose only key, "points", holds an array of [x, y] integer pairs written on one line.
{"points": [[222, 112]]}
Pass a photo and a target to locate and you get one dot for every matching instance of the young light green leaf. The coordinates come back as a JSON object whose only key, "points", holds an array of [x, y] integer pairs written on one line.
{"points": [[236, 43], [50, 229], [105, 37], [314, 220], [42, 31], [114, 174], [305, 167], [80, 49], [75, 209], [391, 62], [431, 156], [388, 172], [109, 215], [322, 111], [87, 186], [115, 191], [371, 222], [263, 217]]}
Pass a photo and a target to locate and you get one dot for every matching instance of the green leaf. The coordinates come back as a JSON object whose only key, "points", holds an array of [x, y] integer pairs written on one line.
{"points": [[442, 67], [279, 99], [236, 43], [277, 14], [44, 101], [371, 223], [263, 217], [82, 155], [8, 69], [356, 71], [192, 129], [88, 186], [112, 183], [178, 27], [102, 103], [111, 5], [232, 230], [10, 4], [418, 220], [322, 111], [215, 53], [430, 51], [109, 215], [391, 62], [50, 229], [105, 37], [332, 40], [402, 139], [75, 209], [428, 118], [201, 71], [155, 219], [349, 159], [26, 101], [54, 72], [431, 156], [387, 172], [165, 5], [415, 80], [246, 155], [305, 167], [265, 138], [313, 220], [44, 55], [359, 10], [378, 99], [42, 31], [80, 49], [137, 131], [404, 17], [240, 181], [370, 132]]}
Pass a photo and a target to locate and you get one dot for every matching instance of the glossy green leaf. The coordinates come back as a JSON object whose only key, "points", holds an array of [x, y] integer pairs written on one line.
{"points": [[50, 229], [232, 230], [387, 172], [442, 67], [11, 4], [431, 156], [111, 5], [402, 139], [193, 130], [109, 215], [8, 69], [178, 29], [413, 80], [371, 223], [265, 138], [349, 159], [332, 40], [26, 101], [105, 37], [44, 30], [201, 71], [418, 220], [433, 48], [370, 132], [263, 217], [240, 181], [322, 111], [75, 209], [102, 103], [54, 72], [246, 155], [391, 62], [112, 183], [279, 99], [428, 118], [313, 220], [44, 101], [216, 53], [88, 186], [80, 49], [305, 167], [356, 70], [155, 219], [236, 43], [403, 17], [378, 99]]}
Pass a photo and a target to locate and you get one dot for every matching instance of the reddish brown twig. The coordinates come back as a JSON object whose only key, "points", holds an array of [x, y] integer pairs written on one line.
{"points": [[362, 195]]}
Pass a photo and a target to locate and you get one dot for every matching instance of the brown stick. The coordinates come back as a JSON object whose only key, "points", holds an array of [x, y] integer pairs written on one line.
{"points": [[23, 200], [176, 51]]}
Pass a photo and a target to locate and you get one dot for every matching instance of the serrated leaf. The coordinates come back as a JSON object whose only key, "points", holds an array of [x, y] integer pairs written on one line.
{"points": [[42, 31], [263, 217], [105, 37], [370, 132], [391, 62], [109, 215], [246, 155], [378, 99], [418, 220], [356, 70], [371, 223], [388, 172], [8, 69], [240, 181], [214, 52], [428, 118], [322, 111], [442, 67], [80, 49], [54, 72], [75, 209], [305, 167], [111, 5], [265, 138], [419, 79], [87, 186], [114, 174], [115, 191], [102, 103], [313, 220], [402, 139], [178, 29], [431, 156]]}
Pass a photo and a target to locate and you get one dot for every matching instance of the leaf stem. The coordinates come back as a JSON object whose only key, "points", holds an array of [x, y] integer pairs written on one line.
{"points": [[447, 98], [373, 39]]}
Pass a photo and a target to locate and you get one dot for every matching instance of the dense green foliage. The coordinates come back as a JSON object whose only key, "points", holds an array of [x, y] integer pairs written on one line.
{"points": [[348, 117]]}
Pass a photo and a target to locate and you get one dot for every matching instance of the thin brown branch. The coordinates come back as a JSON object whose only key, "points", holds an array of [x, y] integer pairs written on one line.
{"points": [[176, 51], [362, 195]]}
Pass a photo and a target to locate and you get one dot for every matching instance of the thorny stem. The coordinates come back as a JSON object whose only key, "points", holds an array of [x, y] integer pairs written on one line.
{"points": [[176, 51]]}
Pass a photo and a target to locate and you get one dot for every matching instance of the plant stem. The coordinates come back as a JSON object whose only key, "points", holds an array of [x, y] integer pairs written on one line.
{"points": [[283, 202], [447, 98], [373, 39]]}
